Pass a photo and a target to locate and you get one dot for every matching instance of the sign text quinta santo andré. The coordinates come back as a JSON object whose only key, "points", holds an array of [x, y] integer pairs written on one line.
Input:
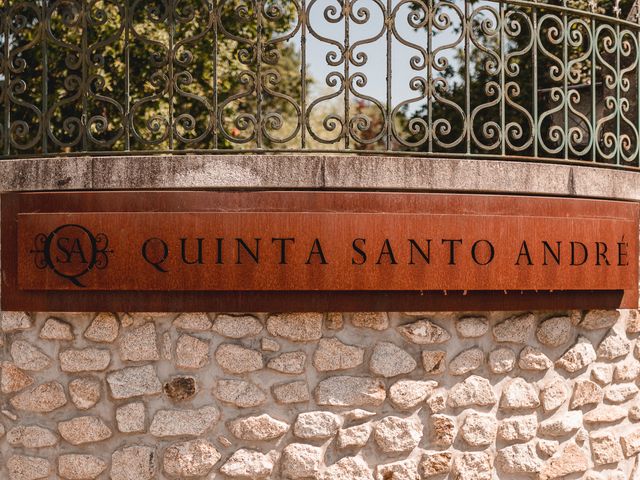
{"points": [[159, 253], [321, 251]]}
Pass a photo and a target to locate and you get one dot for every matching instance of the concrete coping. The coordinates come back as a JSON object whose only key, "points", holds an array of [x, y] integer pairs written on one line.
{"points": [[317, 172]]}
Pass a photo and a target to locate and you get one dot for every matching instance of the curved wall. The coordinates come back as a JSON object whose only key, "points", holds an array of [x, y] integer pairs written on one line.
{"points": [[319, 395], [317, 172]]}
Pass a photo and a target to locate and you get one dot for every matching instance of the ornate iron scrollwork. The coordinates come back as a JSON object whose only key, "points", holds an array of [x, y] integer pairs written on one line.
{"points": [[528, 79]]}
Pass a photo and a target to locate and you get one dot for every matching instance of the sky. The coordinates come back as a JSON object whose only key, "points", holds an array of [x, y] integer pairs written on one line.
{"points": [[375, 69]]}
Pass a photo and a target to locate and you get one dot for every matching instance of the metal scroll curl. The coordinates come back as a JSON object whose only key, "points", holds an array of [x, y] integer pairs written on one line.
{"points": [[494, 79]]}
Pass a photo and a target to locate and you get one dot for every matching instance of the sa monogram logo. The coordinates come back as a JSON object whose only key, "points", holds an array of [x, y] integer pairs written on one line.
{"points": [[71, 251]]}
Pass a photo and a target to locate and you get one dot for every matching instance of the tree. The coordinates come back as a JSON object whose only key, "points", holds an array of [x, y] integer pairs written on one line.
{"points": [[470, 93], [76, 69]]}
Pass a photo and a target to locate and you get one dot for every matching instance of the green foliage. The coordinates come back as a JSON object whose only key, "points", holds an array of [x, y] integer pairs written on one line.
{"points": [[168, 64], [489, 78]]}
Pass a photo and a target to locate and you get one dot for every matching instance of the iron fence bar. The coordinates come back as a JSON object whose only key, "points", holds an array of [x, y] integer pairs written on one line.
{"points": [[560, 8], [467, 73], [170, 68], [535, 126], [346, 6], [618, 106], [594, 111], [7, 77], [503, 93], [565, 81], [85, 73], [127, 78], [258, 57], [303, 74], [365, 154], [213, 5], [389, 79], [45, 73], [430, 60]]}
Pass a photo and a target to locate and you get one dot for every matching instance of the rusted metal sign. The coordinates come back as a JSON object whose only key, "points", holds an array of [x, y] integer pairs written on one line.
{"points": [[243, 251]]}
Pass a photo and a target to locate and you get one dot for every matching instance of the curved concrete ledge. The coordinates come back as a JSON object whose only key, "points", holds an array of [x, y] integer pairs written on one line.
{"points": [[317, 172]]}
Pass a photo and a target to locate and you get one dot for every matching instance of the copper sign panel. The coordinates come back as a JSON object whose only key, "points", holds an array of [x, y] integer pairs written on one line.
{"points": [[320, 242]]}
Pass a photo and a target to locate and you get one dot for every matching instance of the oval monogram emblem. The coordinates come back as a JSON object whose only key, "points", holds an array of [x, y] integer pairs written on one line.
{"points": [[71, 251]]}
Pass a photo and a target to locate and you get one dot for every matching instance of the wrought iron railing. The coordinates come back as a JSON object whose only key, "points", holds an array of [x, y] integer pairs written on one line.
{"points": [[545, 81]]}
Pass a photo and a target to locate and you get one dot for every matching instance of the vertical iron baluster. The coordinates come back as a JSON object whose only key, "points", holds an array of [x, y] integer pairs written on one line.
{"points": [[84, 11], [45, 74], [7, 79], [303, 75], [565, 99], [259, 74], [429, 74], [467, 48], [618, 145], [346, 9], [535, 125], [214, 12], [171, 4], [503, 92], [127, 73], [388, 23], [594, 112]]}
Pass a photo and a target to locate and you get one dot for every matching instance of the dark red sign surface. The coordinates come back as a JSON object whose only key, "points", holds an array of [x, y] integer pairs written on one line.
{"points": [[301, 251]]}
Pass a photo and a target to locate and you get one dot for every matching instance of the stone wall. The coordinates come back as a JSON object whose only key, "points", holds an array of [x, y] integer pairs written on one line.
{"points": [[327, 396]]}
